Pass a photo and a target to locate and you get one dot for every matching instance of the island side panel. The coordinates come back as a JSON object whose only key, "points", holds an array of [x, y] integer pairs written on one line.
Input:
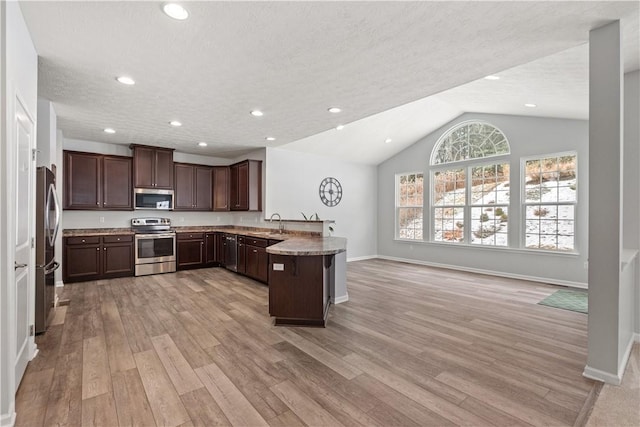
{"points": [[299, 289]]}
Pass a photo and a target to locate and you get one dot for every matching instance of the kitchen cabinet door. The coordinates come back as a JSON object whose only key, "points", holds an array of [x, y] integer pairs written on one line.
{"points": [[242, 256], [246, 186], [257, 263], [189, 250], [220, 243], [210, 248], [221, 188], [203, 176], [164, 169], [117, 191], [184, 187], [152, 167], [117, 256], [82, 180], [82, 259]]}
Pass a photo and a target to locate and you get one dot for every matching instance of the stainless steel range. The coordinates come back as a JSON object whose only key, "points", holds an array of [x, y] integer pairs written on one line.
{"points": [[155, 246]]}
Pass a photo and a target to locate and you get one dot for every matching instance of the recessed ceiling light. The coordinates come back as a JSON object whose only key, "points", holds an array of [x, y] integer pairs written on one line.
{"points": [[334, 109], [530, 105], [109, 130], [492, 78], [388, 140], [175, 123], [126, 80], [202, 144], [270, 138], [175, 11], [339, 127], [256, 113]]}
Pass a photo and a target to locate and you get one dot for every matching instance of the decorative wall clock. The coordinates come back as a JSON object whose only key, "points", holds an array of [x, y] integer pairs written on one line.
{"points": [[330, 191]]}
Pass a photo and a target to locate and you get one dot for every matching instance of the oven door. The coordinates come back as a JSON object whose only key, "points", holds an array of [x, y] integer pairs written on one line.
{"points": [[152, 248]]}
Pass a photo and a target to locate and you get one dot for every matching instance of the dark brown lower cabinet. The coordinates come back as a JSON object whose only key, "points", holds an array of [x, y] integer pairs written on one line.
{"points": [[190, 250], [241, 266], [97, 257], [210, 249], [257, 263], [220, 243], [299, 288]]}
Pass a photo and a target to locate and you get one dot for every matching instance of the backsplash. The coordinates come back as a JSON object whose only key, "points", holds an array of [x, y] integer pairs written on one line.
{"points": [[122, 219]]}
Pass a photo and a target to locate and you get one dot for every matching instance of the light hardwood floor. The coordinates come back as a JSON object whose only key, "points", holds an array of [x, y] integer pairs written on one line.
{"points": [[414, 346]]}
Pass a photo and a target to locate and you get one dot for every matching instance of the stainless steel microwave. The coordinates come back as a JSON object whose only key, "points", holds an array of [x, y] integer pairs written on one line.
{"points": [[148, 198]]}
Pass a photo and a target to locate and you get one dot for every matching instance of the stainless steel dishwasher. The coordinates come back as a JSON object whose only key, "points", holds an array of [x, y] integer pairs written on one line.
{"points": [[231, 252]]}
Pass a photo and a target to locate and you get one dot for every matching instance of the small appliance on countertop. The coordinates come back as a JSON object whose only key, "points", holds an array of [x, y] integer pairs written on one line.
{"points": [[155, 246]]}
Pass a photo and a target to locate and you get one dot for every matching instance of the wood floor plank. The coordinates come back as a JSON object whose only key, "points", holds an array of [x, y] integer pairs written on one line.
{"points": [[99, 411], [196, 330], [32, 397], [60, 313], [131, 400], [65, 396], [235, 406], [118, 350], [203, 410], [96, 377], [182, 376], [165, 403], [304, 407]]}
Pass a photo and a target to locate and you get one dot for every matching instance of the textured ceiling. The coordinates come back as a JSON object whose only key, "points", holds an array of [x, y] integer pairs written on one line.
{"points": [[293, 60]]}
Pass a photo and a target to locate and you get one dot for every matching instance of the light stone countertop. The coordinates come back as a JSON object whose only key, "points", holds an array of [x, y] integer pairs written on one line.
{"points": [[293, 244]]}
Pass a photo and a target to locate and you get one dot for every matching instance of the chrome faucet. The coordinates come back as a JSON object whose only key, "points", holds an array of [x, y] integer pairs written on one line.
{"points": [[280, 224]]}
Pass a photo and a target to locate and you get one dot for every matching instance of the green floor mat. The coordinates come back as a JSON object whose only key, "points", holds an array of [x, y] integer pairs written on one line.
{"points": [[567, 300]]}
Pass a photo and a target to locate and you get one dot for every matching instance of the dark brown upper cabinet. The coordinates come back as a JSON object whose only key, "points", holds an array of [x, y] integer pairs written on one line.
{"points": [[221, 188], [95, 181], [152, 167], [193, 187], [246, 186]]}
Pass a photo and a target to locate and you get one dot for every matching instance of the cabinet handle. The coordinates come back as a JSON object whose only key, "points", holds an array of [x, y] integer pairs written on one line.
{"points": [[255, 251], [97, 249], [98, 203], [104, 249], [118, 239], [83, 240]]}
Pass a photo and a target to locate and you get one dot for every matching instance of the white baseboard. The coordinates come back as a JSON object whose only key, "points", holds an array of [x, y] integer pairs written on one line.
{"points": [[341, 299], [8, 419], [636, 337], [625, 357], [489, 272], [362, 258], [598, 375], [59, 284]]}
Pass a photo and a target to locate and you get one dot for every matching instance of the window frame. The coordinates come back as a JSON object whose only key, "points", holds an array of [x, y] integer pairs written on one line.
{"points": [[448, 132], [397, 206], [524, 204], [467, 166]]}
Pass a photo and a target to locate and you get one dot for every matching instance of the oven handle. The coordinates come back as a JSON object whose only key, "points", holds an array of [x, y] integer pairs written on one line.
{"points": [[155, 236]]}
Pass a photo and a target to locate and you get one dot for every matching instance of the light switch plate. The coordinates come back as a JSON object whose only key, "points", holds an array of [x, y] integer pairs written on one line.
{"points": [[278, 267]]}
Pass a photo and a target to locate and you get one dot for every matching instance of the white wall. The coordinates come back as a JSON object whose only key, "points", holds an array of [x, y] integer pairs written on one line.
{"points": [[631, 212], [19, 77], [293, 180], [528, 136], [47, 129]]}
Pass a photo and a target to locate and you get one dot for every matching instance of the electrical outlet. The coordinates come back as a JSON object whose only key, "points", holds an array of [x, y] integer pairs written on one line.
{"points": [[102, 219]]}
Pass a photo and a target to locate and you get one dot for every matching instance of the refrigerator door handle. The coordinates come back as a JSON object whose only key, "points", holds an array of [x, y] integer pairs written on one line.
{"points": [[53, 268], [52, 197]]}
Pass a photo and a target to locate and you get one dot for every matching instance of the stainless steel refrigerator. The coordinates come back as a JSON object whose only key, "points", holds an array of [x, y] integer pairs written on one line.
{"points": [[47, 224]]}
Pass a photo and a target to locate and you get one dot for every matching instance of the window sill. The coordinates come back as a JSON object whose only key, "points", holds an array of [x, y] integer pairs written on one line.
{"points": [[490, 248]]}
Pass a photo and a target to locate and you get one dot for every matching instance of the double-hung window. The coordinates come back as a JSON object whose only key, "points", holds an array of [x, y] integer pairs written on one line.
{"points": [[469, 192], [550, 198], [409, 205]]}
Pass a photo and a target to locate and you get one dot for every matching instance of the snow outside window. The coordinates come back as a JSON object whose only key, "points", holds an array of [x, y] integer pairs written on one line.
{"points": [[475, 198], [470, 201], [409, 205], [550, 198]]}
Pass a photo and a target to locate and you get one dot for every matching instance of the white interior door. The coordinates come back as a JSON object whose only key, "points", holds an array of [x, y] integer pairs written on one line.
{"points": [[24, 212]]}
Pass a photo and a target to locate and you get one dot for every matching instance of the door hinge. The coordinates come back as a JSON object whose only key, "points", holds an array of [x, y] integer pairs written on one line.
{"points": [[31, 330], [33, 243], [33, 153]]}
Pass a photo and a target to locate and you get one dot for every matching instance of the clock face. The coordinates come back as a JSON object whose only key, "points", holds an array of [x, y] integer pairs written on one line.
{"points": [[330, 191]]}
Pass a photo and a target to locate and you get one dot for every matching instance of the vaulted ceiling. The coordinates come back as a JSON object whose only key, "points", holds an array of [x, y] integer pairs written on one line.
{"points": [[397, 70]]}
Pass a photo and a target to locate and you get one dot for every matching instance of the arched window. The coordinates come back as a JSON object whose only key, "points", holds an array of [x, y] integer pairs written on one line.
{"points": [[470, 185], [469, 140]]}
